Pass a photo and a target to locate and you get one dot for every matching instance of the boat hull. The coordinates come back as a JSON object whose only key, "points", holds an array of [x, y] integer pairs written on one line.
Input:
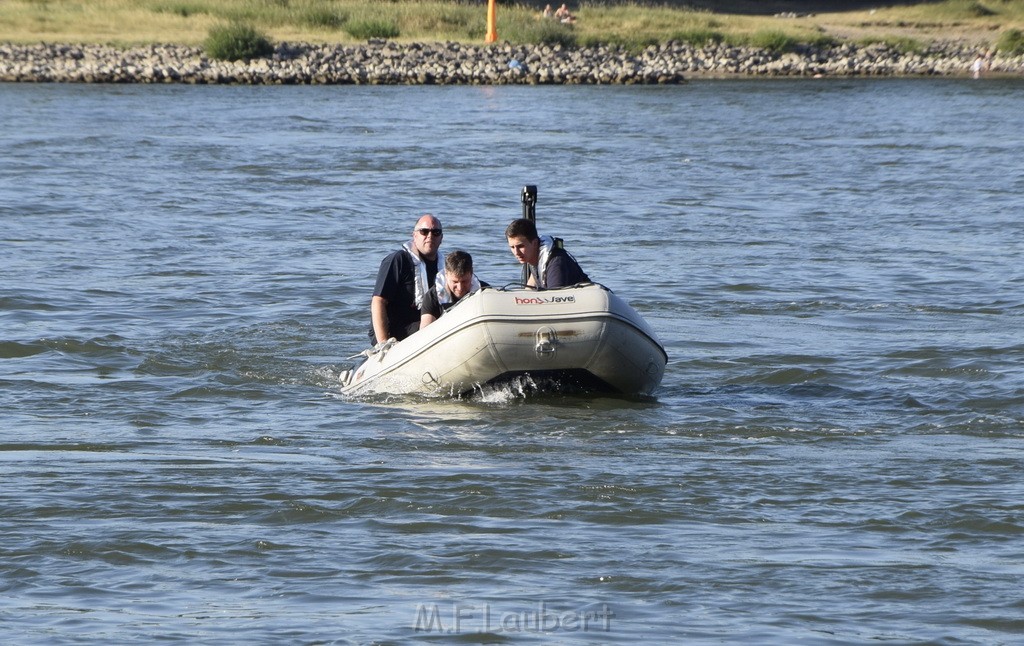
{"points": [[579, 338]]}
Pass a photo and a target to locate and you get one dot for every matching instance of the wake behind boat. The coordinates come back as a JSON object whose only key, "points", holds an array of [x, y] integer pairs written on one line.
{"points": [[580, 338]]}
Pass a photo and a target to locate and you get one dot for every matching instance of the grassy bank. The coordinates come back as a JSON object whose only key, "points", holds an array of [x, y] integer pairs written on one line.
{"points": [[189, 22]]}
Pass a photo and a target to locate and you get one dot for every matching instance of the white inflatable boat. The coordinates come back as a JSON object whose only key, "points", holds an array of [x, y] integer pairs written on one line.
{"points": [[582, 338]]}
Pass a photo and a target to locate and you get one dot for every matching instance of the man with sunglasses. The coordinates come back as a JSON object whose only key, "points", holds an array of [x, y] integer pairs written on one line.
{"points": [[404, 278], [550, 265]]}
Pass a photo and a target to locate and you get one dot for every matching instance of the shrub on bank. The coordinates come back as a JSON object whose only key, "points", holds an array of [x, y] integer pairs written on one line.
{"points": [[1011, 42], [899, 43], [971, 8], [366, 29], [235, 42]]}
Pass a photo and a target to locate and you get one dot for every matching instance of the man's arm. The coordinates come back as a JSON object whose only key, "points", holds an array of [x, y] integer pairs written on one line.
{"points": [[430, 310], [379, 317]]}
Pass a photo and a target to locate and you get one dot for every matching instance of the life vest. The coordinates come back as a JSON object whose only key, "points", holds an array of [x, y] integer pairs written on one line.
{"points": [[420, 269], [444, 297], [547, 245]]}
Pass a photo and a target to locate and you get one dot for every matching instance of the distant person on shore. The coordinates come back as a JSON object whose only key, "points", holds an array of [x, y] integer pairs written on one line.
{"points": [[405, 277], [548, 12], [977, 66], [563, 15], [457, 282], [550, 265]]}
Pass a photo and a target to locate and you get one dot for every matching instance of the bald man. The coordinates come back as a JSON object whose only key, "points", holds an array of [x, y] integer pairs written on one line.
{"points": [[404, 278]]}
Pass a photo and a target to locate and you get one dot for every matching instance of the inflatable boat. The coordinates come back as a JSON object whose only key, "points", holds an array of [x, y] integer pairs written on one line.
{"points": [[580, 338]]}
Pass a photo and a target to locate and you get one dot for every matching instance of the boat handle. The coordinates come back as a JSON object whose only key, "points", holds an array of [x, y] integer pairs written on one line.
{"points": [[546, 340]]}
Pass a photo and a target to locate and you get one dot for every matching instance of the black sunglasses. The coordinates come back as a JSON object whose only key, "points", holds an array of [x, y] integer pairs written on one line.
{"points": [[424, 232]]}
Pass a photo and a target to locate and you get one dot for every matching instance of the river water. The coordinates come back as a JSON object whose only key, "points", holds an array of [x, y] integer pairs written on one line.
{"points": [[836, 454]]}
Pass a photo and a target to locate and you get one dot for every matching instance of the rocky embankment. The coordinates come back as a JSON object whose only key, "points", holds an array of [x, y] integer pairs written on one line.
{"points": [[389, 63]]}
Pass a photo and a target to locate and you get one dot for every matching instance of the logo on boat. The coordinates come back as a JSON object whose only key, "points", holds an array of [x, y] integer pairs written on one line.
{"points": [[538, 300]]}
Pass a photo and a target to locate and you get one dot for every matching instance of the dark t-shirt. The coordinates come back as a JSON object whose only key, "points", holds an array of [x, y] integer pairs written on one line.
{"points": [[563, 270], [396, 283]]}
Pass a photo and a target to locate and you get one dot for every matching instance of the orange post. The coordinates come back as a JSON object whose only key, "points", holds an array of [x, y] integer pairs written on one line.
{"points": [[492, 21]]}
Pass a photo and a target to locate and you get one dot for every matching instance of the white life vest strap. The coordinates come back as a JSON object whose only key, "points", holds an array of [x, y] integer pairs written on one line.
{"points": [[547, 245], [420, 268]]}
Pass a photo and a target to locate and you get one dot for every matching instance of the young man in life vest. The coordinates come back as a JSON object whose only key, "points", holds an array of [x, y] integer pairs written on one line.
{"points": [[404, 278], [458, 281], [550, 265]]}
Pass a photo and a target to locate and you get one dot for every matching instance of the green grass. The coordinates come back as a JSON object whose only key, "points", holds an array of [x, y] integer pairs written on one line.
{"points": [[527, 29], [962, 10], [698, 36], [183, 9], [325, 18], [773, 41], [956, 13], [629, 24]]}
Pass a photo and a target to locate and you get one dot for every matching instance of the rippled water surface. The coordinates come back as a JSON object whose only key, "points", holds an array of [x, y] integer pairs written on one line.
{"points": [[834, 456]]}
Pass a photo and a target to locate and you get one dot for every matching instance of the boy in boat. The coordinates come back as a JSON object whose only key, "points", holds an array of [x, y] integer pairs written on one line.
{"points": [[459, 280], [550, 265], [405, 277]]}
